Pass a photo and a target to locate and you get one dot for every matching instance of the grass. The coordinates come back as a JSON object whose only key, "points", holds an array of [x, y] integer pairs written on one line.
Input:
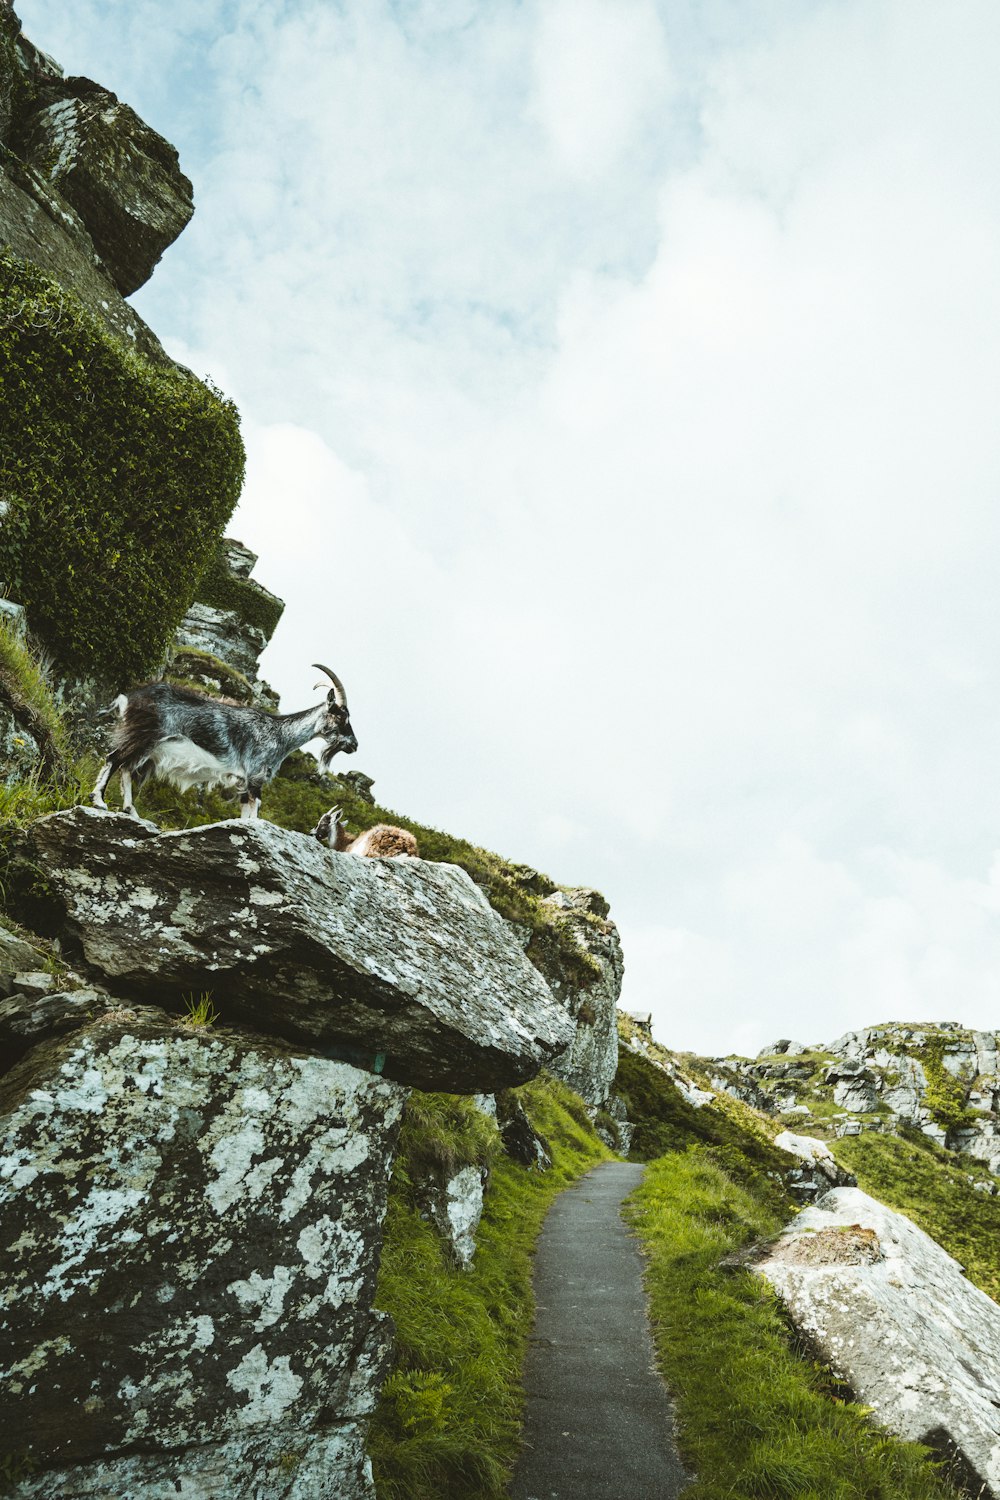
{"points": [[448, 1423], [757, 1419], [25, 692], [931, 1186], [200, 1010]]}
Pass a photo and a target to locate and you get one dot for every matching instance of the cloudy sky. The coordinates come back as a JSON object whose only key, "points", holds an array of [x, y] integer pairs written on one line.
{"points": [[620, 385]]}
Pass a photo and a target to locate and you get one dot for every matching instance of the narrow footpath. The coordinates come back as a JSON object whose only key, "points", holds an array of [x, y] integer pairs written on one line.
{"points": [[598, 1420]]}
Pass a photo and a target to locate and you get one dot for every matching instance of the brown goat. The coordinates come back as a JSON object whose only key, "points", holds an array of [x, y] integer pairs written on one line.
{"points": [[384, 841]]}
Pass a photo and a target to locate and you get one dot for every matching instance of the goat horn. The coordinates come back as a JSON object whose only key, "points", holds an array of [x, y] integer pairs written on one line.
{"points": [[338, 686]]}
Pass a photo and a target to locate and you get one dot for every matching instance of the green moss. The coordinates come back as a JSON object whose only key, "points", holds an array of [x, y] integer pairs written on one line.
{"points": [[912, 1174], [756, 1419], [447, 1426], [118, 475], [945, 1094], [247, 599]]}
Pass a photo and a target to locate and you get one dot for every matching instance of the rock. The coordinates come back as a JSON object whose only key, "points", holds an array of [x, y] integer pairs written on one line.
{"points": [[590, 1062], [859, 1095], [782, 1045], [26, 1017], [65, 139], [35, 982], [360, 784], [16, 956], [642, 1018], [456, 1207], [403, 958], [122, 178], [190, 1237], [521, 1140], [895, 1318], [819, 1170], [221, 633]]}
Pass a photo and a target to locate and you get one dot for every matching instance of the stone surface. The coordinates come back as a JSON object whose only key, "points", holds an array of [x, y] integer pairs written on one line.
{"points": [[191, 1230], [121, 177], [42, 157], [590, 1062], [456, 1207], [895, 1318], [818, 1171], [521, 1140], [16, 957], [403, 958]]}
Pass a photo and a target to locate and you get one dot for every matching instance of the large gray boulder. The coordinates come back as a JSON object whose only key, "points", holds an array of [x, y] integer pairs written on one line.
{"points": [[402, 959], [895, 1318], [190, 1233]]}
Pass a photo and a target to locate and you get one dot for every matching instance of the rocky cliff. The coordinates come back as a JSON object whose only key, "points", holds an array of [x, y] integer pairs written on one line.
{"points": [[192, 1212], [118, 469]]}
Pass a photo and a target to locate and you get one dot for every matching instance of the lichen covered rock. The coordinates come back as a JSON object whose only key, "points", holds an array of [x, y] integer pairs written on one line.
{"points": [[400, 957], [191, 1230], [895, 1318]]}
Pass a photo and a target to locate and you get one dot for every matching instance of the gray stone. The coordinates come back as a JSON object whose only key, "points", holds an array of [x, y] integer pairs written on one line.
{"points": [[819, 1170], [34, 982], [456, 1207], [859, 1095], [521, 1140], [402, 958], [590, 1062], [895, 1318], [16, 956], [121, 177], [190, 1237], [26, 1018]]}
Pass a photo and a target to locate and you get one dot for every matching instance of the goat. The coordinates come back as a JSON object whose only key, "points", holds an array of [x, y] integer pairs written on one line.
{"points": [[384, 841], [189, 739]]}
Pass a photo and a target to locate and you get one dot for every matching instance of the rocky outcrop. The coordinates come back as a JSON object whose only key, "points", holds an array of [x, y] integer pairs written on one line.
{"points": [[590, 1062], [403, 959], [894, 1317], [88, 191], [191, 1228], [817, 1170], [219, 641], [123, 179], [192, 1212]]}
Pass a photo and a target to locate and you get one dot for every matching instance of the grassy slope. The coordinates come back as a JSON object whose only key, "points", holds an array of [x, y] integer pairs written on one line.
{"points": [[758, 1420], [448, 1423]]}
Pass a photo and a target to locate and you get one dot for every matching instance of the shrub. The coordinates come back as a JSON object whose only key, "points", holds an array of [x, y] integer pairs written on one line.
{"points": [[117, 477]]}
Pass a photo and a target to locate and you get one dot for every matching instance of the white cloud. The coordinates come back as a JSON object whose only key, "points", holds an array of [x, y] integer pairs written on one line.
{"points": [[620, 389], [602, 73]]}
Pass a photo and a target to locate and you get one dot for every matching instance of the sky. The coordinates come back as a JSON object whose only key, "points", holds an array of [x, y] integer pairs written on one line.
{"points": [[619, 381]]}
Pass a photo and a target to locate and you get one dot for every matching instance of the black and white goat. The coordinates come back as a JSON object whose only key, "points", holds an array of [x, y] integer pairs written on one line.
{"points": [[189, 740]]}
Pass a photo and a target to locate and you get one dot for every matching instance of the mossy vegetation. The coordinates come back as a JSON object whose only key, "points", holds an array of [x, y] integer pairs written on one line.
{"points": [[117, 478], [448, 1422], [758, 1420], [945, 1094], [932, 1186]]}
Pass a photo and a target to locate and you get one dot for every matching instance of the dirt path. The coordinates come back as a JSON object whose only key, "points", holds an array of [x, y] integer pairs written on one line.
{"points": [[598, 1422]]}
